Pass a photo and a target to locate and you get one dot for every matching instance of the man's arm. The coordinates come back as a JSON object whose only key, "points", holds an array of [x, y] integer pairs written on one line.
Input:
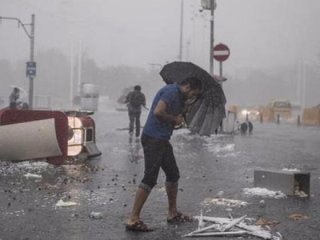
{"points": [[144, 100], [160, 112], [127, 98]]}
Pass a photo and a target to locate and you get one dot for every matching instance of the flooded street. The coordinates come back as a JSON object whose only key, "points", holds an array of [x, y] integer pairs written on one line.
{"points": [[91, 199]]}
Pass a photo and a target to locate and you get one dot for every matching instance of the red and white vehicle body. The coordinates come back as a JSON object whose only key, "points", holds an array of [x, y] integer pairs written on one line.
{"points": [[53, 135]]}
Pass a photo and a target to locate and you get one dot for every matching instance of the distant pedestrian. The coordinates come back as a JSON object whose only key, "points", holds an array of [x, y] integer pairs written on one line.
{"points": [[250, 127], [246, 127], [165, 113], [243, 128], [13, 98], [135, 100]]}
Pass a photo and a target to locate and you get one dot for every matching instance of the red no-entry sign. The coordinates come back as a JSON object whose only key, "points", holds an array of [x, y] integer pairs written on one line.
{"points": [[221, 52]]}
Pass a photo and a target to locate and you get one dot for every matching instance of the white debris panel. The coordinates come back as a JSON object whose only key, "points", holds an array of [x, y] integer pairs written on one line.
{"points": [[62, 203], [218, 226], [224, 202], [264, 192], [29, 140]]}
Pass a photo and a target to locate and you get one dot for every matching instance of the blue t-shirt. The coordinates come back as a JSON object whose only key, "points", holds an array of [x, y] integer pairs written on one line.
{"points": [[172, 95]]}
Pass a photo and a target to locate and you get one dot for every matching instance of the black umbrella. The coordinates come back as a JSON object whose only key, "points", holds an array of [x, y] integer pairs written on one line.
{"points": [[204, 115]]}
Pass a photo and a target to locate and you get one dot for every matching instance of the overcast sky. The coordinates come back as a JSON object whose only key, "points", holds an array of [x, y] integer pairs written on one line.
{"points": [[259, 33]]}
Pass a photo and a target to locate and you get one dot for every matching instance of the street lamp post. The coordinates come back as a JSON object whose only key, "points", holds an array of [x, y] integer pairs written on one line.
{"points": [[31, 37], [210, 5], [181, 31], [31, 60]]}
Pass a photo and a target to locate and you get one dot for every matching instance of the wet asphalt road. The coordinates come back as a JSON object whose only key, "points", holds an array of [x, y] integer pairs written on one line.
{"points": [[219, 165]]}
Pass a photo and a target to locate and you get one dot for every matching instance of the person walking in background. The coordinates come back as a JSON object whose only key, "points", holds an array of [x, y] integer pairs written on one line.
{"points": [[165, 113], [135, 99], [13, 98]]}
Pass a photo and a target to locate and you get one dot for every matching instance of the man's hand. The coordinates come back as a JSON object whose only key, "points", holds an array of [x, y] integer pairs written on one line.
{"points": [[178, 120]]}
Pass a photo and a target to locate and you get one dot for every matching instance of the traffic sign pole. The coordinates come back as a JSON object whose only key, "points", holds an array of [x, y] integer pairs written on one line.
{"points": [[210, 5], [212, 8]]}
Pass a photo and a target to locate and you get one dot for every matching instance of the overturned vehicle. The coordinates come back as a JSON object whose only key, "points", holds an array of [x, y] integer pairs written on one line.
{"points": [[56, 136]]}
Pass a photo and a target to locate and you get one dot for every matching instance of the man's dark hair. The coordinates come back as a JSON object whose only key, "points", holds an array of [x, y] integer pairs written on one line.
{"points": [[194, 83], [137, 87]]}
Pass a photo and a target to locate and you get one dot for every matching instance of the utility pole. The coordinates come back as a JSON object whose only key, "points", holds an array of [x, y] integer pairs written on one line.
{"points": [[31, 67], [71, 73], [181, 31], [210, 5], [212, 8], [80, 69], [31, 76]]}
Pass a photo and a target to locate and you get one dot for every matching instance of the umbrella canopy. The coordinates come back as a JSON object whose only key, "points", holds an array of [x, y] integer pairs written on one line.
{"points": [[204, 115], [23, 93]]}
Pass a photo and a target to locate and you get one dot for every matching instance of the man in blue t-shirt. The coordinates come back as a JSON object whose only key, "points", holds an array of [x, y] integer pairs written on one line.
{"points": [[165, 113]]}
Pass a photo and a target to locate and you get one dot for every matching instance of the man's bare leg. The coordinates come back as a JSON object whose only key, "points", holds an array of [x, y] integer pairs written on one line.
{"points": [[140, 199], [174, 216], [172, 192]]}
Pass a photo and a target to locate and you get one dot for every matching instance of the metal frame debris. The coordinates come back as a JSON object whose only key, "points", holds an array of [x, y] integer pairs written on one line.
{"points": [[217, 226]]}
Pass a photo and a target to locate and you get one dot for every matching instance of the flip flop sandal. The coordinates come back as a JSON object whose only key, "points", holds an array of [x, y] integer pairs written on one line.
{"points": [[180, 218], [138, 227]]}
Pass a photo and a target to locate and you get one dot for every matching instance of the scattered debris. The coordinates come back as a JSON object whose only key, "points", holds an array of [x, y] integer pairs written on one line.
{"points": [[9, 168], [300, 193], [217, 226], [220, 193], [161, 189], [291, 169], [224, 202], [266, 222], [298, 216], [263, 192], [62, 203], [15, 213], [262, 203], [96, 215], [31, 175]]}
